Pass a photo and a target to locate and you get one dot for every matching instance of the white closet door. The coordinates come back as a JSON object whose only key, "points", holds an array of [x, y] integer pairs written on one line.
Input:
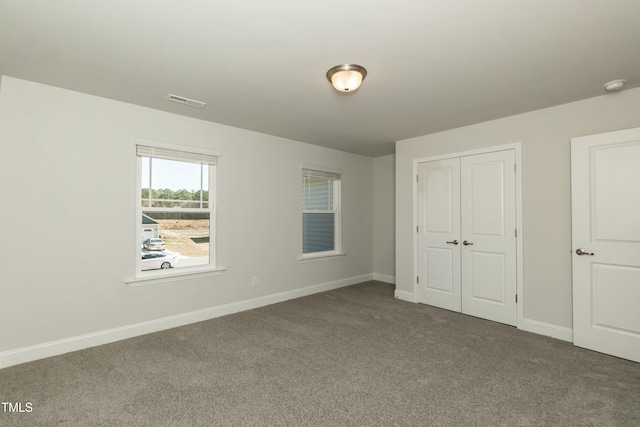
{"points": [[439, 233], [605, 191], [488, 223]]}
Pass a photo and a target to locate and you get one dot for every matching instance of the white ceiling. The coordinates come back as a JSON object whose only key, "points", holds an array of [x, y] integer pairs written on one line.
{"points": [[260, 65]]}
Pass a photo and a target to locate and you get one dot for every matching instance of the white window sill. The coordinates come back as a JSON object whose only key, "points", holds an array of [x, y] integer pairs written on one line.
{"points": [[164, 276], [320, 255]]}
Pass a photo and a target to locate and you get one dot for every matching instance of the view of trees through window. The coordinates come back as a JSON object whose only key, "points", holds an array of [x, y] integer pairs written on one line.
{"points": [[168, 198]]}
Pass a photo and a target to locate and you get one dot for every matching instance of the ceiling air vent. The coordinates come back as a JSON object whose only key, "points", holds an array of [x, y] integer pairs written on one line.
{"points": [[186, 101]]}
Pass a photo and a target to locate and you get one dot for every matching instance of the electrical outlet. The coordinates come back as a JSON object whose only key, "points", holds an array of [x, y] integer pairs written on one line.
{"points": [[254, 281]]}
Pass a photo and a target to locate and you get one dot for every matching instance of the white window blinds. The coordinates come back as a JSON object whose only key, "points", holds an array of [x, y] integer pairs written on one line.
{"points": [[320, 210], [178, 155], [311, 173]]}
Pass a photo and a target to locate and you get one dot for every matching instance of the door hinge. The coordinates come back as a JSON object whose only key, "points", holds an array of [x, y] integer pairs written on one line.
{"points": [[515, 232], [417, 178], [417, 229], [514, 168], [417, 279], [516, 298]]}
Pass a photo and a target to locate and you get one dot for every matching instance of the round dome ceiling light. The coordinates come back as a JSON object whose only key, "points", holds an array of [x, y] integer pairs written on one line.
{"points": [[615, 85], [346, 77]]}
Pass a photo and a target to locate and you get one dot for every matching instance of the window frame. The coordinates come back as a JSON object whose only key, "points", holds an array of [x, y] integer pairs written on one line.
{"points": [[188, 153], [337, 211]]}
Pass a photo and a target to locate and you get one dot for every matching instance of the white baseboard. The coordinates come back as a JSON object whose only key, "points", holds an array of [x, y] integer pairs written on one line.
{"points": [[547, 329], [384, 278], [529, 325], [405, 296], [55, 348]]}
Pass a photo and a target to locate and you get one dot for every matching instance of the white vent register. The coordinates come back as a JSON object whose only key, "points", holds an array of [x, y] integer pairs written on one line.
{"points": [[186, 101]]}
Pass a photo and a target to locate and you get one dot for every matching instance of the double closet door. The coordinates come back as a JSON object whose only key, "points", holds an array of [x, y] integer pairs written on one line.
{"points": [[467, 235]]}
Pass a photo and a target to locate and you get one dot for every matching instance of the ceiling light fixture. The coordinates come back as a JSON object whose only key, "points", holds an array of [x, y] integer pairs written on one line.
{"points": [[614, 85], [346, 77]]}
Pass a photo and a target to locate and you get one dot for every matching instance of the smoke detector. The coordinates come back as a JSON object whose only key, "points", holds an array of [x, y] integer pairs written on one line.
{"points": [[615, 85], [186, 101]]}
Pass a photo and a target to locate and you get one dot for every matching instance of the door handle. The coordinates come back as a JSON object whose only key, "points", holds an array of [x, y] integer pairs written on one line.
{"points": [[467, 243], [583, 252], [454, 242]]}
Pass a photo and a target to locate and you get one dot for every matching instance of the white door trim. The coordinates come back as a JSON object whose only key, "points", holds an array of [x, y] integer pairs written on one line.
{"points": [[516, 146]]}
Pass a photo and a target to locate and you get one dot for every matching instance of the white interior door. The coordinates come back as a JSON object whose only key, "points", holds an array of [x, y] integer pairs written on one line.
{"points": [[605, 191], [439, 233], [488, 233]]}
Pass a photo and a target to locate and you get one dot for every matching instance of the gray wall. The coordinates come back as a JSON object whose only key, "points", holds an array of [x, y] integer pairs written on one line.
{"points": [[384, 202], [68, 173], [545, 137]]}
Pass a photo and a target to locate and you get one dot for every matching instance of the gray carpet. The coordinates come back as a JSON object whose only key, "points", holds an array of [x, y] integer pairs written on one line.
{"points": [[350, 357]]}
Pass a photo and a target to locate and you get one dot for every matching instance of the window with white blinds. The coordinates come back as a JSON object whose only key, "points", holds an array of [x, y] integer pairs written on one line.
{"points": [[176, 209], [178, 155], [320, 212]]}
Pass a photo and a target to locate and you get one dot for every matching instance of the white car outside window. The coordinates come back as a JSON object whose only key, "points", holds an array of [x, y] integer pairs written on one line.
{"points": [[155, 260]]}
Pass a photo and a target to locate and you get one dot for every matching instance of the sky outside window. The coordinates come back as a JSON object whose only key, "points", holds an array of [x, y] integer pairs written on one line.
{"points": [[175, 175]]}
